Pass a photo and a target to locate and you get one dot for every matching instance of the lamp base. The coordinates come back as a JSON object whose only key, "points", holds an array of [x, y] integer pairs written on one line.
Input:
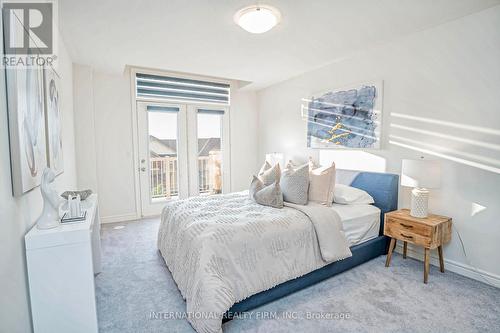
{"points": [[419, 202]]}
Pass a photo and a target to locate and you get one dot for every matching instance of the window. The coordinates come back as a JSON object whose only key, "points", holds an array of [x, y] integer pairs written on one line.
{"points": [[210, 162], [162, 131]]}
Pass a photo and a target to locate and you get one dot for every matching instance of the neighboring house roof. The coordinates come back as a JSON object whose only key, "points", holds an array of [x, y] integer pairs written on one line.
{"points": [[160, 148], [168, 147], [205, 146]]}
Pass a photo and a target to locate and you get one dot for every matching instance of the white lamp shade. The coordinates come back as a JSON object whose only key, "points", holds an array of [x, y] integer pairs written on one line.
{"points": [[421, 173], [275, 158]]}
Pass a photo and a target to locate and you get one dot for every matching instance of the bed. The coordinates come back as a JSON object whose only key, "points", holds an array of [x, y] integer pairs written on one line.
{"points": [[361, 223], [229, 255]]}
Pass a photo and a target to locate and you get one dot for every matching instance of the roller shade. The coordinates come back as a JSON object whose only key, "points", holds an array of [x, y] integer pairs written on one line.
{"points": [[169, 87], [154, 108], [209, 111]]}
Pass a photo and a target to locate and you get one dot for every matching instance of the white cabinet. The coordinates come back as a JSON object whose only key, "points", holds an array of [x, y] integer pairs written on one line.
{"points": [[61, 265]]}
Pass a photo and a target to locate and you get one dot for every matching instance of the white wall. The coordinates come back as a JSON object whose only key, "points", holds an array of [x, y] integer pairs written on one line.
{"points": [[106, 117], [17, 215], [244, 149], [85, 140], [114, 143], [450, 73]]}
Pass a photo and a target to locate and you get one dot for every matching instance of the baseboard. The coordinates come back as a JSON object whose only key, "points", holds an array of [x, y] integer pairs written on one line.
{"points": [[453, 266], [119, 218]]}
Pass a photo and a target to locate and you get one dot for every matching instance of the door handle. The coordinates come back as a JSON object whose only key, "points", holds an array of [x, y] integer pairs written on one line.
{"points": [[406, 236], [143, 169]]}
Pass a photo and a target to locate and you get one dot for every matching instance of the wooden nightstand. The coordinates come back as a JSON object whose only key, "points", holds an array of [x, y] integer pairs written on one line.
{"points": [[430, 232]]}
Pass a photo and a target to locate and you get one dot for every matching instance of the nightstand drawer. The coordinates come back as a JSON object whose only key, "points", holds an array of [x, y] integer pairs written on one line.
{"points": [[394, 230], [409, 227]]}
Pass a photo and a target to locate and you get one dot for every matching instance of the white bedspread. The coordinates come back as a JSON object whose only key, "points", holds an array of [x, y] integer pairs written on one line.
{"points": [[222, 249]]}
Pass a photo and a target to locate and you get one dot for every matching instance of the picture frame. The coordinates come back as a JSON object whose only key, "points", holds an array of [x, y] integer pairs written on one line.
{"points": [[53, 121], [27, 137], [345, 118]]}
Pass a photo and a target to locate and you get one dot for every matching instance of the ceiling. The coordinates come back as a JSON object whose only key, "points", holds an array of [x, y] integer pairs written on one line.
{"points": [[200, 37]]}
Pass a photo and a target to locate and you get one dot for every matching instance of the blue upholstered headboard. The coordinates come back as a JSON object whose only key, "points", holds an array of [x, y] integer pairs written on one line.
{"points": [[383, 187]]}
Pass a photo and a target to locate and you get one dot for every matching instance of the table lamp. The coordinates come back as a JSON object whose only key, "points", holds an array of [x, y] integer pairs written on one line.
{"points": [[421, 175]]}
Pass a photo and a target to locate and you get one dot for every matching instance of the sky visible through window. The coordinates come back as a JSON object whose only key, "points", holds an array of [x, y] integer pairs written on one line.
{"points": [[164, 125]]}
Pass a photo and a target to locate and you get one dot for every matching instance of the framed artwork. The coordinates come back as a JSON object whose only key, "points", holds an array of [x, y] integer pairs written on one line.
{"points": [[26, 127], [53, 122], [345, 118]]}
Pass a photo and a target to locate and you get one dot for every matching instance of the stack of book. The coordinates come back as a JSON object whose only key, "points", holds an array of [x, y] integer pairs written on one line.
{"points": [[74, 219]]}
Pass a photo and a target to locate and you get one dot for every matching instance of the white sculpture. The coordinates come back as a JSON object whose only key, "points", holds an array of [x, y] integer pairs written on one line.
{"points": [[51, 202]]}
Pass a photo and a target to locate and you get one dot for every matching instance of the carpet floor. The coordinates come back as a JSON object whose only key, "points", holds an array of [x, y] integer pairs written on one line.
{"points": [[135, 286]]}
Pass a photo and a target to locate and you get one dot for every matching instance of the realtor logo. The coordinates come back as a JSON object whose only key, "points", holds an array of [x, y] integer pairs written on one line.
{"points": [[28, 29]]}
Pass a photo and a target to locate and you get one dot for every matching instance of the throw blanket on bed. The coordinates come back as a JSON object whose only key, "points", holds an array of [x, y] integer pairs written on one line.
{"points": [[328, 227], [222, 249]]}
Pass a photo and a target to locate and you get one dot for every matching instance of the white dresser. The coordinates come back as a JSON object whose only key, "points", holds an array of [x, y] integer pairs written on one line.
{"points": [[61, 265]]}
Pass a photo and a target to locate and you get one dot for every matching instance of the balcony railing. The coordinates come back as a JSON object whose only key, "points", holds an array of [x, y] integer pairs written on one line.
{"points": [[163, 175], [164, 181]]}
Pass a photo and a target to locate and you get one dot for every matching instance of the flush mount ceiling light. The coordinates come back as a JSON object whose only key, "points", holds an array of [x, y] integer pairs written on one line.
{"points": [[257, 18]]}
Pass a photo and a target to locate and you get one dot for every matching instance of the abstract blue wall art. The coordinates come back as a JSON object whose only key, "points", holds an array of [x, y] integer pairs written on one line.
{"points": [[349, 118]]}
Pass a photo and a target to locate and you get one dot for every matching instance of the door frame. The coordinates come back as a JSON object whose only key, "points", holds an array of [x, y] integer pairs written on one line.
{"points": [[192, 132], [135, 133], [147, 207]]}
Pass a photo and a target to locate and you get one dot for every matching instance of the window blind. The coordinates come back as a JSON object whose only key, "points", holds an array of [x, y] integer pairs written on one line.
{"points": [[169, 87], [154, 108], [210, 111]]}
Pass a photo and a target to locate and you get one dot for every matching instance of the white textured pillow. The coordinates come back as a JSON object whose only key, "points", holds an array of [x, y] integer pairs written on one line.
{"points": [[322, 184], [271, 175], [348, 195], [295, 184], [311, 164]]}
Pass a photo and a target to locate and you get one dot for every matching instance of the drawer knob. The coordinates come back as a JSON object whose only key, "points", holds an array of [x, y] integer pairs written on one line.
{"points": [[407, 226]]}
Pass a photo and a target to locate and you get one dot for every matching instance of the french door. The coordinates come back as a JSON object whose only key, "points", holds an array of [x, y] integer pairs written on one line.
{"points": [[183, 151]]}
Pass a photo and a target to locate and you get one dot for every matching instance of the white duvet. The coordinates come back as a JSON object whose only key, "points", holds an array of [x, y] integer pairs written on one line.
{"points": [[222, 249]]}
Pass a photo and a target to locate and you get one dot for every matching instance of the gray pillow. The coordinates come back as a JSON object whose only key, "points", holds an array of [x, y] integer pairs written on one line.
{"points": [[295, 184], [270, 196], [255, 186], [271, 175]]}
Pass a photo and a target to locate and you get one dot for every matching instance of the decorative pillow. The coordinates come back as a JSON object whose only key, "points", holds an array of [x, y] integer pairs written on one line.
{"points": [[290, 164], [322, 184], [295, 184], [271, 175], [270, 196], [312, 165], [255, 186], [265, 166], [348, 195]]}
